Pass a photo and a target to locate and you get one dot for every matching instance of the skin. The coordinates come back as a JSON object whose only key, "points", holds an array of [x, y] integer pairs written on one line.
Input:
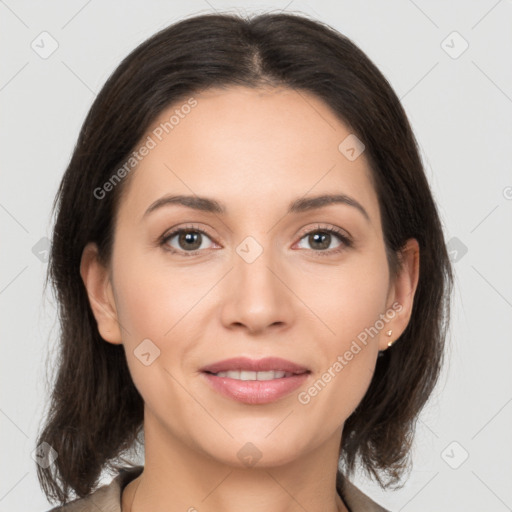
{"points": [[254, 150]]}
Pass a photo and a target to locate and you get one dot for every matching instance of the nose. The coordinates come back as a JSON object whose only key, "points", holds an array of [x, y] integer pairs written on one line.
{"points": [[257, 297]]}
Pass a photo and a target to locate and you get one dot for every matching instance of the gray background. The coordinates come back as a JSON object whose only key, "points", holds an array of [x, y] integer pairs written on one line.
{"points": [[460, 107]]}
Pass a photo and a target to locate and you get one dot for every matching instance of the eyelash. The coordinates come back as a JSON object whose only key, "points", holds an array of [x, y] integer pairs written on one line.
{"points": [[346, 241]]}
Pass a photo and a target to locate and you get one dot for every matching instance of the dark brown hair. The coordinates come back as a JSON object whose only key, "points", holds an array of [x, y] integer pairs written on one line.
{"points": [[96, 413]]}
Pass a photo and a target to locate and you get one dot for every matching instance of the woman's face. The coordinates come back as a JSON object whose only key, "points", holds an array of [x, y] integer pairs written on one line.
{"points": [[265, 279]]}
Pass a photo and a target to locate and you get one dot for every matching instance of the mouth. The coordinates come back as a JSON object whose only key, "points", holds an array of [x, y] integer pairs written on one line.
{"points": [[253, 381]]}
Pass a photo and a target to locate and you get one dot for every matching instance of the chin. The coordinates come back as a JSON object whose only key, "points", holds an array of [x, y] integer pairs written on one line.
{"points": [[263, 450]]}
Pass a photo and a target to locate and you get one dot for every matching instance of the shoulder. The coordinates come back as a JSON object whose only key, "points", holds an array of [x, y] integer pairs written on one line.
{"points": [[355, 499], [106, 498]]}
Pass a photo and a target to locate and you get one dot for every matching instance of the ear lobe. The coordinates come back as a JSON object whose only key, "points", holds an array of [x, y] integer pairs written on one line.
{"points": [[99, 290], [403, 290]]}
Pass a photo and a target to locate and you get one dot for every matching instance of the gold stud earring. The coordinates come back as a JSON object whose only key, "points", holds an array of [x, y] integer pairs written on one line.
{"points": [[389, 333]]}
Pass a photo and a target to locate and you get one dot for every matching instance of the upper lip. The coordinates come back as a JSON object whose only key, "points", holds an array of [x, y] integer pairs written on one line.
{"points": [[255, 365]]}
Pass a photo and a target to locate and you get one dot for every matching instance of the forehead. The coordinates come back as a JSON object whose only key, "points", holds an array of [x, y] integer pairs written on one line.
{"points": [[250, 148]]}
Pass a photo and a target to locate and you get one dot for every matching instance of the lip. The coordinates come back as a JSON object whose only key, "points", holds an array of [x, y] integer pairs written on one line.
{"points": [[255, 365], [255, 391]]}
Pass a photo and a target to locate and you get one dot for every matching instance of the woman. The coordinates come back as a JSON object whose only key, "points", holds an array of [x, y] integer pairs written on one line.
{"points": [[299, 336]]}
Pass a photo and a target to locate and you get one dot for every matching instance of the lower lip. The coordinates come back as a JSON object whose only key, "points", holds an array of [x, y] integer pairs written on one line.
{"points": [[256, 391]]}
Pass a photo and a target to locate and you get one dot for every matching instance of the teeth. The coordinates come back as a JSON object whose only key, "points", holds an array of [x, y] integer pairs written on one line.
{"points": [[246, 375]]}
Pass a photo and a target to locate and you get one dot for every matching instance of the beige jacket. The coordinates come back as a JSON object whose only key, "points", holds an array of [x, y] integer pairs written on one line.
{"points": [[108, 497]]}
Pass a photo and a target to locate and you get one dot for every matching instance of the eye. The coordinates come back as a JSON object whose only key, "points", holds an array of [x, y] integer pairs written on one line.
{"points": [[321, 238], [185, 240], [190, 240]]}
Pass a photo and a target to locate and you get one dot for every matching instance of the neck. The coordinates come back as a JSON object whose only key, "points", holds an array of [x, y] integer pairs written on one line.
{"points": [[177, 478]]}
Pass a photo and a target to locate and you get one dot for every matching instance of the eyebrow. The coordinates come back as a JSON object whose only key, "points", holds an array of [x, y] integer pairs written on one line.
{"points": [[206, 204]]}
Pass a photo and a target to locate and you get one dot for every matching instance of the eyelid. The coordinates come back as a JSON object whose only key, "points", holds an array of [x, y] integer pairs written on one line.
{"points": [[343, 234]]}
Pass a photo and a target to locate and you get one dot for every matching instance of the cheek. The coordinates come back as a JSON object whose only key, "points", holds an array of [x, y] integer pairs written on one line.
{"points": [[161, 304], [351, 306], [153, 318], [350, 297], [152, 301]]}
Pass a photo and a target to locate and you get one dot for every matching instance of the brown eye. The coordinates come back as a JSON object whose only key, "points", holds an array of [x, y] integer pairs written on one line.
{"points": [[320, 240], [186, 240]]}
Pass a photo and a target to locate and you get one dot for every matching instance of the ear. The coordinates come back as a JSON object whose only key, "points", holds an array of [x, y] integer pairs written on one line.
{"points": [[401, 293], [97, 281]]}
